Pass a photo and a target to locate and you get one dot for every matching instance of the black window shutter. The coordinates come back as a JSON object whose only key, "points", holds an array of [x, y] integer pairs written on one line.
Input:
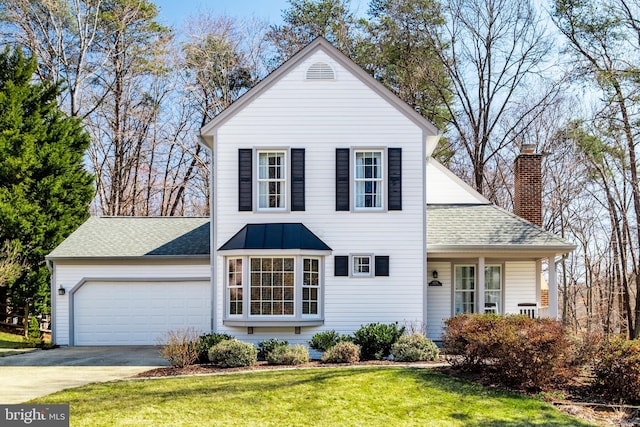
{"points": [[382, 265], [342, 179], [341, 265], [297, 179], [395, 178], [245, 179]]}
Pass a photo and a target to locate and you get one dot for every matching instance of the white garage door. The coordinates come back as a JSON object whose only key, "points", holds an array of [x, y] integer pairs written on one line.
{"points": [[138, 313]]}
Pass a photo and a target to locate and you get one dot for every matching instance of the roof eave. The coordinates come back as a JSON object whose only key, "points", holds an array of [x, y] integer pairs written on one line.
{"points": [[126, 258], [517, 250]]}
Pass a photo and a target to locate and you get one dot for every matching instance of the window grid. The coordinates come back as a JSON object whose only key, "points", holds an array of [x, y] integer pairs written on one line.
{"points": [[465, 278], [310, 285], [361, 265], [234, 283], [368, 179], [271, 179], [272, 286]]}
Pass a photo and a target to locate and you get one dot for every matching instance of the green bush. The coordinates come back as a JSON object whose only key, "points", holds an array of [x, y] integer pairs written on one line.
{"points": [[617, 370], [516, 351], [414, 348], [233, 354], [342, 352], [206, 341], [323, 341], [266, 347], [375, 339], [181, 347], [34, 335], [285, 355]]}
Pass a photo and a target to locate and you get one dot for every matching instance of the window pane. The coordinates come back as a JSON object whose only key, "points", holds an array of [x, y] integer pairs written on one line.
{"points": [[368, 179], [271, 179], [272, 291], [310, 285], [234, 284], [464, 297]]}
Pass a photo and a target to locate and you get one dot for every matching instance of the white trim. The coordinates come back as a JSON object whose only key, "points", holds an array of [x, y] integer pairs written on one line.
{"points": [[383, 180], [352, 265], [285, 182]]}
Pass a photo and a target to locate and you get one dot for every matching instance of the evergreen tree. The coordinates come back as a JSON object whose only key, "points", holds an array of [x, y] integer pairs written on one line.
{"points": [[44, 189]]}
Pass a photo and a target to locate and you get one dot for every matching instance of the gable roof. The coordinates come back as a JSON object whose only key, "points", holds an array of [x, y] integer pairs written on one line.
{"points": [[134, 237], [275, 236], [317, 44], [445, 187], [486, 227]]}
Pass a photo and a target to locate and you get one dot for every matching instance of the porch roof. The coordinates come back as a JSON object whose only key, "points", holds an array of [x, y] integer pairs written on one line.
{"points": [[486, 227]]}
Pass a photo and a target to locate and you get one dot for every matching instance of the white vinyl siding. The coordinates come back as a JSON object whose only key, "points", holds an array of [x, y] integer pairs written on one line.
{"points": [[438, 299], [520, 284], [319, 118]]}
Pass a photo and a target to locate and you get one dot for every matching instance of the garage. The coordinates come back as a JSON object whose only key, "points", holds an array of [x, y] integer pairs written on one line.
{"points": [[138, 312]]}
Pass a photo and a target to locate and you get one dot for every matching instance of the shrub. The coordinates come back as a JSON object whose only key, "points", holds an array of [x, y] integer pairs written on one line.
{"points": [[511, 350], [266, 347], [323, 341], [34, 335], [181, 347], [414, 348], [342, 352], [233, 354], [206, 341], [617, 370], [375, 339], [285, 355]]}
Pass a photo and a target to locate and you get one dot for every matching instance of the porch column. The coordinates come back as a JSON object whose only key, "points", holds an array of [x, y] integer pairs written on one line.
{"points": [[480, 286], [553, 287]]}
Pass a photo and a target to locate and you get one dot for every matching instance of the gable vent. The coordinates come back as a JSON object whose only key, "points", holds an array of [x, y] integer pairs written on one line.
{"points": [[320, 71]]}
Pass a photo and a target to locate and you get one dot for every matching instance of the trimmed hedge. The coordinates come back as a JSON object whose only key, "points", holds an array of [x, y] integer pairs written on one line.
{"points": [[375, 339], [323, 341], [513, 350], [233, 354], [267, 346], [342, 352], [414, 348], [285, 355], [207, 341]]}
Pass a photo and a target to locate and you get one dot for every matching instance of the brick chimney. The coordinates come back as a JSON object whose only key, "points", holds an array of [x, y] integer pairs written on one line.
{"points": [[527, 185]]}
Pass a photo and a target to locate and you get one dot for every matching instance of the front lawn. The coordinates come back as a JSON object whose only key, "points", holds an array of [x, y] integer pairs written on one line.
{"points": [[371, 396], [8, 340]]}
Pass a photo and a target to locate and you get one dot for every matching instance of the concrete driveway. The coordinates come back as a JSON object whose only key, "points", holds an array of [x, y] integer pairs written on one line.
{"points": [[41, 372]]}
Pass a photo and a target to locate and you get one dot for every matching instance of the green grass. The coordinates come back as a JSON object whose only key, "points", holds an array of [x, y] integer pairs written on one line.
{"points": [[371, 396], [8, 340]]}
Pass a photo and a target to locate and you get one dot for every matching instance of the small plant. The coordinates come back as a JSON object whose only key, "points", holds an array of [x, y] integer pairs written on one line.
{"points": [[285, 355], [206, 341], [267, 346], [233, 354], [323, 341], [181, 347], [34, 335], [342, 352], [375, 339], [617, 370], [414, 348]]}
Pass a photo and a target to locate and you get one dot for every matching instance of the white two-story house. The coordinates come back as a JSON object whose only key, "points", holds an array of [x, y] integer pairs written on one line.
{"points": [[327, 213]]}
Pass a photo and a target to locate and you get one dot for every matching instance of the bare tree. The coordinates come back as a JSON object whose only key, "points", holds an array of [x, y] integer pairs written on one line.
{"points": [[495, 53]]}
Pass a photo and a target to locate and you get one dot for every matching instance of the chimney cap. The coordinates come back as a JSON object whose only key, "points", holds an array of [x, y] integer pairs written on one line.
{"points": [[528, 148]]}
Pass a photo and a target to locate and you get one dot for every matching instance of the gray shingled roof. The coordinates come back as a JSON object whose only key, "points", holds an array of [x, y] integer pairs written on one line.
{"points": [[486, 227], [127, 237]]}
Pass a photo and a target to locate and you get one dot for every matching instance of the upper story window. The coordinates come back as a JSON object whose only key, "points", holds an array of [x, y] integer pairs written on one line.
{"points": [[272, 179], [361, 265], [368, 179]]}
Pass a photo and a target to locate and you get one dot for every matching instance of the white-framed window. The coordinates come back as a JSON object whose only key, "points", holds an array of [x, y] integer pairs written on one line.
{"points": [[361, 265], [493, 288], [274, 287], [464, 289], [310, 286], [272, 179], [368, 179], [234, 286]]}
